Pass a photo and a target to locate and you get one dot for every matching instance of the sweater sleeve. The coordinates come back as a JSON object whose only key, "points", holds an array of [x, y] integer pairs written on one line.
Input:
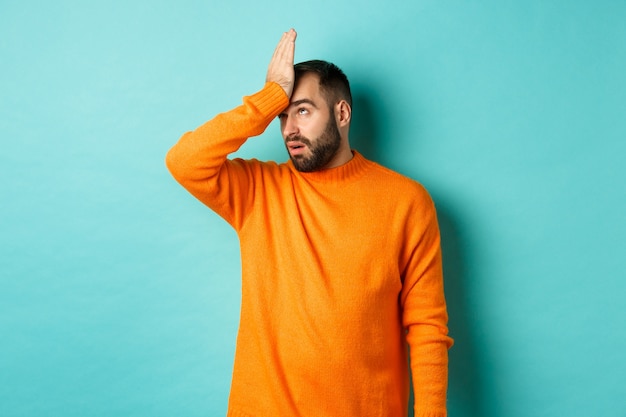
{"points": [[425, 315], [199, 160]]}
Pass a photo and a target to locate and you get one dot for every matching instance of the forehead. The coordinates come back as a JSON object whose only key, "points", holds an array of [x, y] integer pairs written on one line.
{"points": [[308, 87]]}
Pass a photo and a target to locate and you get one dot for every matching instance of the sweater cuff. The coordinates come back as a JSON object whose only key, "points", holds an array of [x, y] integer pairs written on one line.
{"points": [[271, 100]]}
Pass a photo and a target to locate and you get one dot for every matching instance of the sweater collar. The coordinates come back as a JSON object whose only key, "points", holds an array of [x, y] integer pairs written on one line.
{"points": [[352, 169]]}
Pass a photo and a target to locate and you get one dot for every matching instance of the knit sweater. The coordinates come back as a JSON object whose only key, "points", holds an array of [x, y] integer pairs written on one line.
{"points": [[340, 269]]}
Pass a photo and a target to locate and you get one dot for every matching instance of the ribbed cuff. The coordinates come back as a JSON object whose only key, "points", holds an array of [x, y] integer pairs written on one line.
{"points": [[270, 101]]}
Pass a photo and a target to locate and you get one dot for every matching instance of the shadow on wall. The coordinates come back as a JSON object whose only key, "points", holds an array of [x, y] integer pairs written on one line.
{"points": [[465, 392], [364, 129]]}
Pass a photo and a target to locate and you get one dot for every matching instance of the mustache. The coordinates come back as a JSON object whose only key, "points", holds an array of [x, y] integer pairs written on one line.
{"points": [[299, 138]]}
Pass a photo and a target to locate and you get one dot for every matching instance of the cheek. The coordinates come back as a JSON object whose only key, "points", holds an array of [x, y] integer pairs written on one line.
{"points": [[316, 127]]}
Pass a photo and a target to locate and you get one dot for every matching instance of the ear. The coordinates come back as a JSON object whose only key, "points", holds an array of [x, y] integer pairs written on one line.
{"points": [[343, 113]]}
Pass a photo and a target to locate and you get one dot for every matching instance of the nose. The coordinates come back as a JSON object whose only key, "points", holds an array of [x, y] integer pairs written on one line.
{"points": [[290, 127]]}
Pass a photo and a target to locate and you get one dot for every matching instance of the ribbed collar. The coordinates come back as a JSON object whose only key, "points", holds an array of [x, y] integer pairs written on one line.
{"points": [[351, 170]]}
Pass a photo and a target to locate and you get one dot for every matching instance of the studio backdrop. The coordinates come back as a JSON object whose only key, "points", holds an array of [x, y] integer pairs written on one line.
{"points": [[119, 292]]}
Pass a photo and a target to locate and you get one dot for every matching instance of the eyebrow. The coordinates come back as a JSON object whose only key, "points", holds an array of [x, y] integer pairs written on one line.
{"points": [[303, 101], [297, 103]]}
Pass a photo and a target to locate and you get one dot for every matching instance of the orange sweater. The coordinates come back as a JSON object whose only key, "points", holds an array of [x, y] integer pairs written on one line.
{"points": [[340, 268]]}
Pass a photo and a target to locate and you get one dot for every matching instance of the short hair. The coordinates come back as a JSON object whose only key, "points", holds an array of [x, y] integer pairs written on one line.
{"points": [[332, 80]]}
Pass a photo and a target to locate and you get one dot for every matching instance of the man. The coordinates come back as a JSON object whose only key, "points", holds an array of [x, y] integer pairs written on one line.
{"points": [[341, 263]]}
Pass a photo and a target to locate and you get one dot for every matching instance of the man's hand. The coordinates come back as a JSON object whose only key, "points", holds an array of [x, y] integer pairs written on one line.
{"points": [[280, 69]]}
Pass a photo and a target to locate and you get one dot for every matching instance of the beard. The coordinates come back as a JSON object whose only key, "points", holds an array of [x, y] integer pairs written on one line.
{"points": [[322, 150]]}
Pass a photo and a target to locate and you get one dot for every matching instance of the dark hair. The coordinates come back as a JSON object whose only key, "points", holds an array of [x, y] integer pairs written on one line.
{"points": [[333, 82]]}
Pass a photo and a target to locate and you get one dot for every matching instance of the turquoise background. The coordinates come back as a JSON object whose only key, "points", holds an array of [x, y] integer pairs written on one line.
{"points": [[119, 293]]}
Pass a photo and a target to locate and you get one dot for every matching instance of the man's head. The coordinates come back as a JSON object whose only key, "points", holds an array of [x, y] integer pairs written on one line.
{"points": [[332, 81], [315, 125]]}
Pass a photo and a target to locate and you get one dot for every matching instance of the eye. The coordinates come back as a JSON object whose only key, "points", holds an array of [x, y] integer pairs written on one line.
{"points": [[303, 111]]}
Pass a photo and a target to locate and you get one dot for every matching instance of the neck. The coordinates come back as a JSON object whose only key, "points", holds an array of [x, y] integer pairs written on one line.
{"points": [[342, 156]]}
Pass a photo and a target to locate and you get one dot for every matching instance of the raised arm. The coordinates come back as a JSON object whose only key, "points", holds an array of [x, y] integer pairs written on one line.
{"points": [[199, 160]]}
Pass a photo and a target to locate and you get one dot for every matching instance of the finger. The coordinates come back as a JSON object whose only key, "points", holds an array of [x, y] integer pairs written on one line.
{"points": [[282, 43], [286, 45], [291, 43]]}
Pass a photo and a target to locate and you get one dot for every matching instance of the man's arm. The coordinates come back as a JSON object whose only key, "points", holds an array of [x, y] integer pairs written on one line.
{"points": [[199, 160], [425, 314]]}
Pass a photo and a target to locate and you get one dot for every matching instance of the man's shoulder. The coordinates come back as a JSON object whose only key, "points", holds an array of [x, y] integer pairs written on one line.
{"points": [[397, 182]]}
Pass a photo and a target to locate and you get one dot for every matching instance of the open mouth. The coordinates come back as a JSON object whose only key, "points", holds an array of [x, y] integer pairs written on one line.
{"points": [[296, 148]]}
